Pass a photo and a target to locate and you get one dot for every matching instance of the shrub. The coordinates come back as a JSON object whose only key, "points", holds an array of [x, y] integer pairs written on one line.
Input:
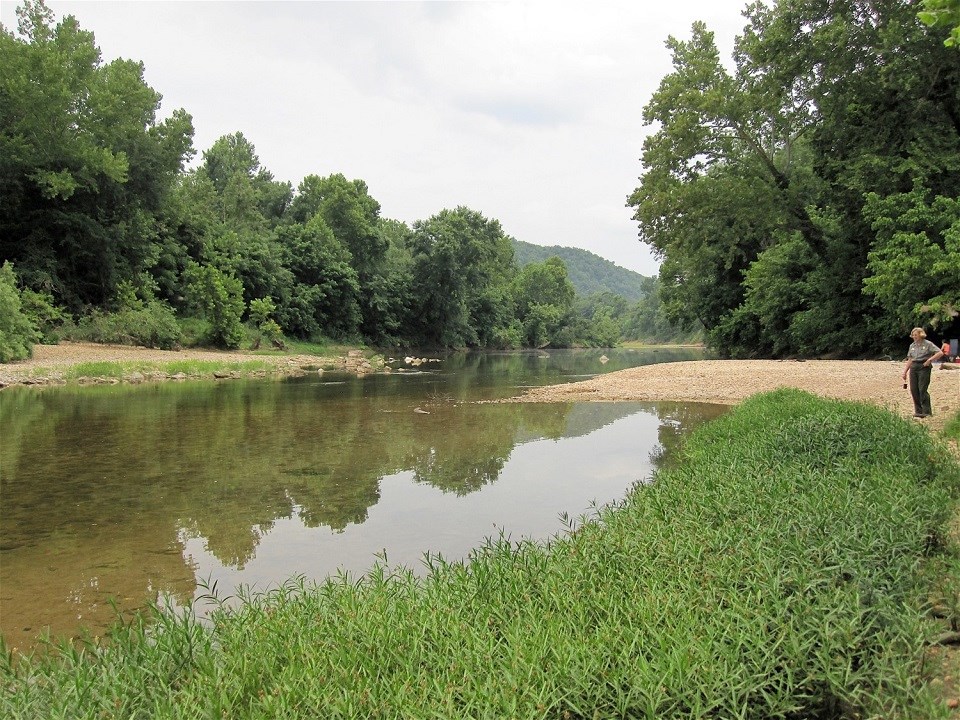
{"points": [[265, 327], [507, 337], [194, 330], [48, 317], [154, 324], [219, 296], [18, 333]]}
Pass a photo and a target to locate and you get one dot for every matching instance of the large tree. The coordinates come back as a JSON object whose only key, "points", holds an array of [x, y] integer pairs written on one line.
{"points": [[247, 191], [757, 182], [462, 268], [544, 299], [323, 298], [722, 181], [349, 210], [85, 166]]}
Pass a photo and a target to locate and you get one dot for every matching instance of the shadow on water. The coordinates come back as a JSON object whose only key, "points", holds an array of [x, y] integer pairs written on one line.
{"points": [[131, 492]]}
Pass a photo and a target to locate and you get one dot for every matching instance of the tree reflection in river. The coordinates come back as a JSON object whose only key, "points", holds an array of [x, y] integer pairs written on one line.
{"points": [[108, 490]]}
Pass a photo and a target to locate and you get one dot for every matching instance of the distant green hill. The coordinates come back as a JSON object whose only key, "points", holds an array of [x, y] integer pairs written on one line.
{"points": [[588, 272]]}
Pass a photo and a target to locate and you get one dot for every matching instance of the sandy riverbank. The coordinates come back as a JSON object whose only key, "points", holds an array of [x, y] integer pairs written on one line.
{"points": [[49, 362], [731, 381]]}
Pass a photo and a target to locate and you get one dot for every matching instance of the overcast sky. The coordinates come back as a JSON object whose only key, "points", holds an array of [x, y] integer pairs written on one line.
{"points": [[529, 112]]}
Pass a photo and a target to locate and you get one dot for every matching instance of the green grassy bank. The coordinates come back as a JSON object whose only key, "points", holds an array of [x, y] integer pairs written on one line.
{"points": [[189, 368], [783, 568]]}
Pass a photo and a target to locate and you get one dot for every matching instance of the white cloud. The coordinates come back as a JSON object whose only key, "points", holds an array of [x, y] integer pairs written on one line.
{"points": [[529, 112]]}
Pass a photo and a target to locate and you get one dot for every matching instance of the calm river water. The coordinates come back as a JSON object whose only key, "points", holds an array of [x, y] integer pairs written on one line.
{"points": [[127, 494]]}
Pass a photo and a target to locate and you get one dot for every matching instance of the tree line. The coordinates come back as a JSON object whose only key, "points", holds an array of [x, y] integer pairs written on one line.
{"points": [[107, 235], [805, 200]]}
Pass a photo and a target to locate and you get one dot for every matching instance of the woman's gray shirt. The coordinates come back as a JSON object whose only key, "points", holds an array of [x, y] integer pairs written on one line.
{"points": [[920, 351]]}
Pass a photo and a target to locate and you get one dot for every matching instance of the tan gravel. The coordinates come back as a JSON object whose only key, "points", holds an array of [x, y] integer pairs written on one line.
{"points": [[49, 361], [731, 381]]}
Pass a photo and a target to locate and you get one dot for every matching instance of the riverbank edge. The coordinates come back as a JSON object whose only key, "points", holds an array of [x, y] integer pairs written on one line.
{"points": [[186, 671], [140, 365], [95, 364], [129, 364]]}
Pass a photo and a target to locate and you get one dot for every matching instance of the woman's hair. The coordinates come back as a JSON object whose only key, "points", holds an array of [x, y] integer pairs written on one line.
{"points": [[920, 331]]}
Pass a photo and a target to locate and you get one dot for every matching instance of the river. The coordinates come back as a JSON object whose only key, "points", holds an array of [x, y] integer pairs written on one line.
{"points": [[112, 497]]}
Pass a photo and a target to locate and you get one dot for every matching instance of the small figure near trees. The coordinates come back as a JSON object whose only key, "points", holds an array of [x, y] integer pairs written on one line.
{"points": [[920, 357]]}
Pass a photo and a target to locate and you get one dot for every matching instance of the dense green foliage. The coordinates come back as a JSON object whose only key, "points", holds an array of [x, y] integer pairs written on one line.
{"points": [[17, 330], [943, 13], [84, 165], [96, 207], [806, 201], [773, 571]]}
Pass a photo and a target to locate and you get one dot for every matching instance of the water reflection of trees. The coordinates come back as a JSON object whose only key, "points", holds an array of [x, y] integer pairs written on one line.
{"points": [[676, 420], [464, 446], [99, 485], [225, 462]]}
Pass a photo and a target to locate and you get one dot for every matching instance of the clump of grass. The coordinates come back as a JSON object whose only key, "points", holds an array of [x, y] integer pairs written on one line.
{"points": [[952, 428], [193, 368], [773, 572], [321, 346], [207, 367], [101, 369]]}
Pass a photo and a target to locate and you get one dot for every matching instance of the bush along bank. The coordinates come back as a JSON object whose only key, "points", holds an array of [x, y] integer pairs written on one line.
{"points": [[776, 570]]}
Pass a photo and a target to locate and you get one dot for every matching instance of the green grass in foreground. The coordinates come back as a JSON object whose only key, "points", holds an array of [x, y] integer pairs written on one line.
{"points": [[774, 572], [952, 429]]}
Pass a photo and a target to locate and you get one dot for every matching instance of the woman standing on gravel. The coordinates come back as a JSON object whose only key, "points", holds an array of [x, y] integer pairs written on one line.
{"points": [[920, 356]]}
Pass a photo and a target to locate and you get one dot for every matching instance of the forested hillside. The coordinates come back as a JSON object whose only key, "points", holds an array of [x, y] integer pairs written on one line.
{"points": [[589, 273]]}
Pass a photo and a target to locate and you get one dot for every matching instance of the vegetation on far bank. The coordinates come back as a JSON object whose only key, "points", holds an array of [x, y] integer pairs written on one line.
{"points": [[112, 238], [788, 564], [296, 360], [112, 364], [803, 202]]}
